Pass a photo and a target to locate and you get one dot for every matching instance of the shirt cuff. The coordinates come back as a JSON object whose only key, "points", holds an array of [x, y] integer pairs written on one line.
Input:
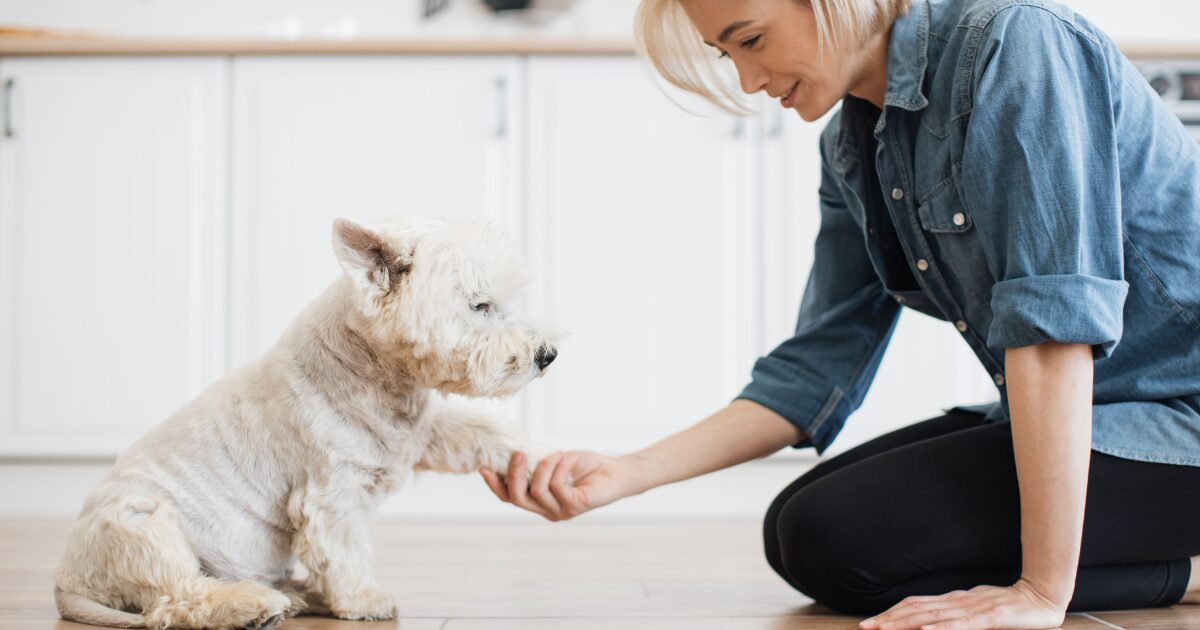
{"points": [[1072, 308], [820, 417]]}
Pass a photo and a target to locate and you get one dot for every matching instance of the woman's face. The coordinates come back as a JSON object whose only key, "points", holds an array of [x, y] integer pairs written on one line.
{"points": [[773, 45]]}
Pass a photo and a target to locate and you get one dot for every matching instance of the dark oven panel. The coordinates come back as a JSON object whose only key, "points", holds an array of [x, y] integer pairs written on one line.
{"points": [[1178, 83]]}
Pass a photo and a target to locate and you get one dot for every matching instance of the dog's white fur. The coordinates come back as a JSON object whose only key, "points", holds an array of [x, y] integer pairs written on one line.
{"points": [[199, 523]]}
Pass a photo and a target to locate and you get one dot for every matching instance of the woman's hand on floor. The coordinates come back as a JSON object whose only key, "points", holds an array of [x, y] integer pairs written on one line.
{"points": [[564, 485], [1019, 606]]}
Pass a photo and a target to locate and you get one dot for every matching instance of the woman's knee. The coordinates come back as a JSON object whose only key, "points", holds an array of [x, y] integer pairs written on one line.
{"points": [[771, 534], [826, 550]]}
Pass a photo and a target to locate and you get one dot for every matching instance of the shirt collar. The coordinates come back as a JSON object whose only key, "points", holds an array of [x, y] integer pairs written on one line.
{"points": [[908, 57]]}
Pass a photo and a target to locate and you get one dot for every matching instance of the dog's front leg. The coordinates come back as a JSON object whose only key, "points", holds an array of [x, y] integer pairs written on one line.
{"points": [[333, 542], [464, 439]]}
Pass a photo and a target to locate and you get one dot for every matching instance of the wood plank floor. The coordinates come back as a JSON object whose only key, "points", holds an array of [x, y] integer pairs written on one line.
{"points": [[590, 575]]}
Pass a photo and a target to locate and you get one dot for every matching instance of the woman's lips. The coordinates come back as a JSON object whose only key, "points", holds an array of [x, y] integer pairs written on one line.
{"points": [[789, 99]]}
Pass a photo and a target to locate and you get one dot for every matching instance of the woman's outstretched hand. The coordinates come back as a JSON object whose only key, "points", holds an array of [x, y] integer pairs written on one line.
{"points": [[1019, 606], [564, 485]]}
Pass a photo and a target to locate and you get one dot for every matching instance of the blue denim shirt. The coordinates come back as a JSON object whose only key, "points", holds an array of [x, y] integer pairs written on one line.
{"points": [[1040, 191]]}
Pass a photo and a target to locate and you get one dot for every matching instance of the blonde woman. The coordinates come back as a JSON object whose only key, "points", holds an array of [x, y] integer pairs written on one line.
{"points": [[1000, 165]]}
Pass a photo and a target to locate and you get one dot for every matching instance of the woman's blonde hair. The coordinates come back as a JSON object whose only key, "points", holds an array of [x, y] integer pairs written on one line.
{"points": [[668, 38]]}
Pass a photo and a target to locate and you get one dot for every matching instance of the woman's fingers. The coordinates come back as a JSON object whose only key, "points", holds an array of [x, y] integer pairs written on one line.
{"points": [[981, 608], [539, 486], [518, 487], [562, 487], [550, 491], [495, 484], [923, 615], [909, 612]]}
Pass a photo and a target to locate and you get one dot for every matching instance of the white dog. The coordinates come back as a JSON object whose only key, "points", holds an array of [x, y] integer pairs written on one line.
{"points": [[199, 523]]}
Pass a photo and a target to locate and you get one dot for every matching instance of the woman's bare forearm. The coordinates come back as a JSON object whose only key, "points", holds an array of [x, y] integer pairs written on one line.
{"points": [[1050, 400], [740, 432]]}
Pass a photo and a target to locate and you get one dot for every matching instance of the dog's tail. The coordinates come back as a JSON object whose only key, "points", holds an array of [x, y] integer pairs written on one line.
{"points": [[78, 608]]}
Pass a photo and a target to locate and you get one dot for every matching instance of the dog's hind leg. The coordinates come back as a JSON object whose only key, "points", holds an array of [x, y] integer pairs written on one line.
{"points": [[130, 553], [204, 602]]}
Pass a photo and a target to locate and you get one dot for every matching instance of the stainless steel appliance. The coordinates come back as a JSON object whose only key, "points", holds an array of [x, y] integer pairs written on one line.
{"points": [[1177, 81]]}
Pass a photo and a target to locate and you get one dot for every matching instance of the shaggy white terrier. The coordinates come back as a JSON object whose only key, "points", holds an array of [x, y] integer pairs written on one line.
{"points": [[199, 523]]}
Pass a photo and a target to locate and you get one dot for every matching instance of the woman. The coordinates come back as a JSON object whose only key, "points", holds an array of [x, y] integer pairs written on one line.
{"points": [[997, 164]]}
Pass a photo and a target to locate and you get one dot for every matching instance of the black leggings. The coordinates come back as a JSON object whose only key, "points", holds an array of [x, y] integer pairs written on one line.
{"points": [[934, 507]]}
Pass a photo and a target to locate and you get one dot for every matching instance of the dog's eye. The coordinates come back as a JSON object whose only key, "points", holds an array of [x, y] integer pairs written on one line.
{"points": [[482, 307]]}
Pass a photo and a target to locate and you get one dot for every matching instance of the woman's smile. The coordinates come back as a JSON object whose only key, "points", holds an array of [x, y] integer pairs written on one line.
{"points": [[788, 99]]}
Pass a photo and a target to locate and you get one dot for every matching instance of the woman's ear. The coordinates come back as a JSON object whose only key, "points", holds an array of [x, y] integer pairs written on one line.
{"points": [[372, 261]]}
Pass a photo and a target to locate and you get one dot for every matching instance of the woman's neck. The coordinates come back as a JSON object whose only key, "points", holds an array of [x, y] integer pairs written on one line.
{"points": [[872, 79]]}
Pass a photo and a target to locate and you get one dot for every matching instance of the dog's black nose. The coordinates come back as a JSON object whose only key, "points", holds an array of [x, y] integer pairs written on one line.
{"points": [[544, 356]]}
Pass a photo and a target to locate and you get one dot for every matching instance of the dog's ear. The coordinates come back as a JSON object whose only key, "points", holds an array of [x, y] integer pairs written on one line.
{"points": [[368, 257]]}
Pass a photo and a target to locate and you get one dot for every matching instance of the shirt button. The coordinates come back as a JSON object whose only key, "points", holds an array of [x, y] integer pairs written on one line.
{"points": [[923, 265], [959, 218], [999, 378], [900, 299], [897, 194], [961, 326]]}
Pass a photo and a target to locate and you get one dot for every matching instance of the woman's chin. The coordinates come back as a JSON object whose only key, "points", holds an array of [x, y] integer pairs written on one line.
{"points": [[808, 113], [812, 111]]}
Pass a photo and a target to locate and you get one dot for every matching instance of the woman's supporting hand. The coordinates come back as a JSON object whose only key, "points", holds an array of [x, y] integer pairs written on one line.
{"points": [[1019, 606], [565, 485]]}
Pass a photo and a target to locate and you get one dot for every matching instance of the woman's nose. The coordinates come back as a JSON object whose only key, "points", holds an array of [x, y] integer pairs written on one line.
{"points": [[754, 78]]}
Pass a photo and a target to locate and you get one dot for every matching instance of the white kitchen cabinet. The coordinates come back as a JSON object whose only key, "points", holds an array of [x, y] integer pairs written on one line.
{"points": [[790, 179], [112, 261], [643, 230], [316, 138], [673, 246]]}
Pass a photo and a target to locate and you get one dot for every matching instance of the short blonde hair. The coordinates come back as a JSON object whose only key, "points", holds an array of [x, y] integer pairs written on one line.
{"points": [[671, 42]]}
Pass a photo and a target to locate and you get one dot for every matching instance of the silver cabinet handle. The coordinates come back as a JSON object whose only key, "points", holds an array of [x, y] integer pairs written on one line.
{"points": [[8, 123], [501, 107]]}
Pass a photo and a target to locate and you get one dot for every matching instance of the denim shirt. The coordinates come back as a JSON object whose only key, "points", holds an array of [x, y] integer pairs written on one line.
{"points": [[1040, 191]]}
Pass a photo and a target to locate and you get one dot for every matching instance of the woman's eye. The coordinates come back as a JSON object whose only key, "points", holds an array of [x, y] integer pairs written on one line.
{"points": [[482, 307], [745, 43], [750, 42]]}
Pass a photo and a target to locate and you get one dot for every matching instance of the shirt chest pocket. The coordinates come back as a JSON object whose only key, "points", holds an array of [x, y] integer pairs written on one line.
{"points": [[951, 235], [941, 210]]}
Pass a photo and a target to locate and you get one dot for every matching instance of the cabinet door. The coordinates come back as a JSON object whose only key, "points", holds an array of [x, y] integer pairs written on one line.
{"points": [[642, 227], [362, 138], [927, 366], [111, 252]]}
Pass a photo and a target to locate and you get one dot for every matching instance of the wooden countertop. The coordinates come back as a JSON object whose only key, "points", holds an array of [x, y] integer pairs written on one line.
{"points": [[26, 42], [36, 45]]}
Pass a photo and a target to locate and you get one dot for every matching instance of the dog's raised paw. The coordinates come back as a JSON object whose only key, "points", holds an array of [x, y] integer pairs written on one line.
{"points": [[369, 605], [535, 452]]}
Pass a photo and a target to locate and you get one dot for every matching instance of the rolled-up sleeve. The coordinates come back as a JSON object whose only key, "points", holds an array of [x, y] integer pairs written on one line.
{"points": [[820, 376], [1041, 179]]}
